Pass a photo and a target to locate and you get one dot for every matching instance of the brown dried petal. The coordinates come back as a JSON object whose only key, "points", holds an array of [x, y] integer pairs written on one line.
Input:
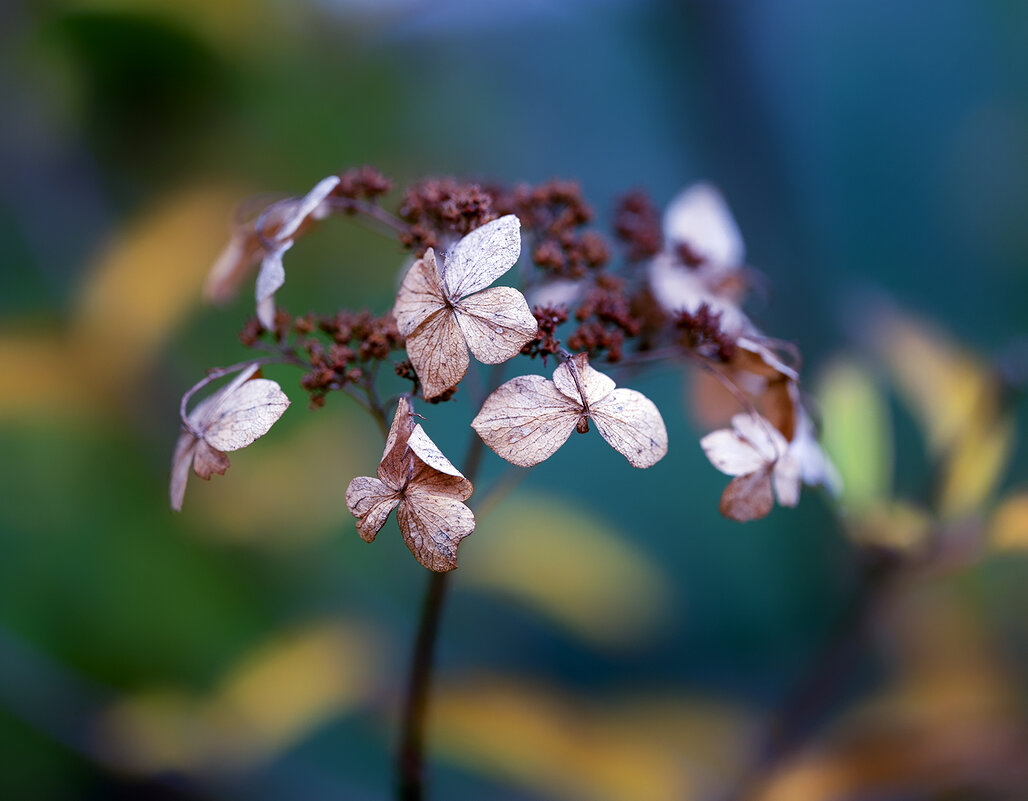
{"points": [[420, 295], [432, 526], [526, 420], [631, 423], [496, 323], [439, 353], [371, 501], [748, 497], [207, 461]]}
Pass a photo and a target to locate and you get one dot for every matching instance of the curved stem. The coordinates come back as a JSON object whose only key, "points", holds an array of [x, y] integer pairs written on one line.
{"points": [[411, 758]]}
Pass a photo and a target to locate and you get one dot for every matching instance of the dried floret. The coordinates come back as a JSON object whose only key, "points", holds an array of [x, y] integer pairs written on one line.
{"points": [[528, 418]]}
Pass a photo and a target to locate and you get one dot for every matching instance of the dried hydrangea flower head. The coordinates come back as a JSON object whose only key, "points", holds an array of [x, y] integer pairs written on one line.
{"points": [[528, 418], [441, 315], [425, 489], [759, 457], [228, 420]]}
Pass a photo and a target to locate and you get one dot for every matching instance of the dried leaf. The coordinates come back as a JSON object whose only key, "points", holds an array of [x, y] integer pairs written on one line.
{"points": [[425, 489], [229, 420], [526, 419], [748, 497], [441, 322]]}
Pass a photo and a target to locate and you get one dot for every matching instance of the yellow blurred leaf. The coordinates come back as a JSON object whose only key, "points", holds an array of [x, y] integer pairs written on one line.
{"points": [[1008, 528], [625, 750], [857, 433], [40, 380], [896, 525], [569, 565], [946, 386], [146, 283], [288, 687], [974, 466]]}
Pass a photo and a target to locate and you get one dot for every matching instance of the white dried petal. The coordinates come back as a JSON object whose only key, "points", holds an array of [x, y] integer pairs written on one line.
{"points": [[594, 384], [699, 217], [420, 294], [482, 256], [245, 414], [426, 451], [731, 454], [786, 477], [679, 289], [526, 420], [748, 497], [763, 436], [439, 353], [632, 424], [181, 462], [496, 323], [433, 526], [306, 207]]}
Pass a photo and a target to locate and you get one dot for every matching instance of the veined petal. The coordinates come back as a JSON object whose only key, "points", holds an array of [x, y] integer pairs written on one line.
{"points": [[439, 353], [420, 295], [482, 256], [433, 526], [371, 501], [496, 323], [594, 384], [632, 425]]}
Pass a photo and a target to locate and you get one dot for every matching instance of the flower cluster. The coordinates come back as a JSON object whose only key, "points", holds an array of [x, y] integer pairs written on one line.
{"points": [[674, 295]]}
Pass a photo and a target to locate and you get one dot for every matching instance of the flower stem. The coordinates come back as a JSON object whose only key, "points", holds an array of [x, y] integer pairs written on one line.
{"points": [[411, 758]]}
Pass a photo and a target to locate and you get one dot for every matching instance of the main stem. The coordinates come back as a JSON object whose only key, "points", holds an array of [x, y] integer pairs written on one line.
{"points": [[411, 758]]}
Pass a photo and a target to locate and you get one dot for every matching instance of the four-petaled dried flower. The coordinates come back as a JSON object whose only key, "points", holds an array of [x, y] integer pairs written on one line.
{"points": [[440, 321], [230, 419], [273, 274], [425, 489], [757, 454], [528, 418]]}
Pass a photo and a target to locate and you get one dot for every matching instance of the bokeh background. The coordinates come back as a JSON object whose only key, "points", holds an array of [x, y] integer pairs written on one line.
{"points": [[609, 636]]}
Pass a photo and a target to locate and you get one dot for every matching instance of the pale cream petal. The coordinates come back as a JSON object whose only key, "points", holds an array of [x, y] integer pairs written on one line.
{"points": [[482, 256], [207, 461], [306, 207], [595, 384], [245, 414], [371, 501], [439, 353], [420, 295], [185, 447], [678, 288], [426, 450], [632, 424], [526, 420], [269, 280], [433, 526], [786, 476], [731, 454], [748, 497], [763, 436], [699, 217], [496, 323]]}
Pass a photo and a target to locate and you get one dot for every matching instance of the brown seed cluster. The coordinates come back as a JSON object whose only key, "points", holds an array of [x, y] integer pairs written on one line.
{"points": [[546, 343], [554, 213], [442, 209], [637, 224], [701, 332], [362, 183], [605, 319]]}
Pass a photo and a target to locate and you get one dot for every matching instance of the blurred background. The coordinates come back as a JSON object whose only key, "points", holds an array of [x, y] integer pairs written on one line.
{"points": [[637, 646]]}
